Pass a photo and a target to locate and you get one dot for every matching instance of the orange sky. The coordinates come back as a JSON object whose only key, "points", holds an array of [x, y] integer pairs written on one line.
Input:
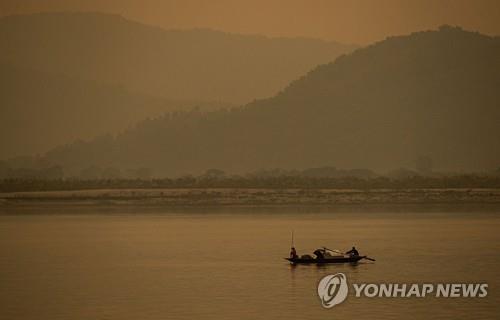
{"points": [[356, 21]]}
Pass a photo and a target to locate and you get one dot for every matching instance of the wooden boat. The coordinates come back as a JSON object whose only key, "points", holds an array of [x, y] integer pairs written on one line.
{"points": [[334, 259], [325, 255]]}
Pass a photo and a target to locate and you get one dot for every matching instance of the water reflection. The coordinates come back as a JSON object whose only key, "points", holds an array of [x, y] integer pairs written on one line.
{"points": [[209, 266]]}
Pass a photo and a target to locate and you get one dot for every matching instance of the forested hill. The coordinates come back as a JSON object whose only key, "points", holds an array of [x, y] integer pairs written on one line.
{"points": [[194, 64], [40, 110], [432, 93], [69, 75]]}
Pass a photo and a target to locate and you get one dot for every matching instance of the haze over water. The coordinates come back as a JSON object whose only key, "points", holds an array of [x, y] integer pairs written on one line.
{"points": [[226, 264], [156, 156]]}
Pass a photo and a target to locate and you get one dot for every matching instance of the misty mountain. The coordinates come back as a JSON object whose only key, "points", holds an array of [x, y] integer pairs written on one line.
{"points": [[177, 64], [433, 94], [39, 109]]}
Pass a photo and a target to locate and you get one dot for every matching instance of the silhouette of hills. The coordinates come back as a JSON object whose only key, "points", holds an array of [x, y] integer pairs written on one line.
{"points": [[77, 75], [432, 93], [40, 110], [177, 64]]}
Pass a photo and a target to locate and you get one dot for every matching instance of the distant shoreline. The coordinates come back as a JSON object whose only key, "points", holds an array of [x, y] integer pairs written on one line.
{"points": [[199, 197]]}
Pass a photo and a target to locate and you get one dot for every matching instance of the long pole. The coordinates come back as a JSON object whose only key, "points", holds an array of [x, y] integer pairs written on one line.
{"points": [[292, 239]]}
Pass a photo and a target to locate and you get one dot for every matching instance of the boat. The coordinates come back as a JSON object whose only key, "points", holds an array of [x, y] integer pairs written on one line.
{"points": [[334, 259], [325, 255]]}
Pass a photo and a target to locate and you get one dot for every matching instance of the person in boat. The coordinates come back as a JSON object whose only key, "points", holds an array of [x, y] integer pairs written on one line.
{"points": [[293, 253], [353, 252], [319, 253]]}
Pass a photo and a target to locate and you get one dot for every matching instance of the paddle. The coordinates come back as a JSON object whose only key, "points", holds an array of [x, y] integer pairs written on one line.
{"points": [[336, 251]]}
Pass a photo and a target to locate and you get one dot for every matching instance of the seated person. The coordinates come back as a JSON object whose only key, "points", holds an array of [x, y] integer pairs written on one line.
{"points": [[293, 253], [319, 254], [353, 252]]}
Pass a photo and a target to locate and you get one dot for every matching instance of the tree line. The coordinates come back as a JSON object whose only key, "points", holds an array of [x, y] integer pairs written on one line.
{"points": [[253, 181]]}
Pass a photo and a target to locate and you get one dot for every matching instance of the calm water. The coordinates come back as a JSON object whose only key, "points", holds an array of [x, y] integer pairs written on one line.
{"points": [[227, 265]]}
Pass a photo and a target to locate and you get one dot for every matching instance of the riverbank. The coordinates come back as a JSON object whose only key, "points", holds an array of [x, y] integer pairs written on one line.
{"points": [[250, 197]]}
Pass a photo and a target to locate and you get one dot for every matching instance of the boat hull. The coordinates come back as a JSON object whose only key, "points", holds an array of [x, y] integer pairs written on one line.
{"points": [[325, 261]]}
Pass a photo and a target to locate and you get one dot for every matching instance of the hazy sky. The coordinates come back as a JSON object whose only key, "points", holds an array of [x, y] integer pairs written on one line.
{"points": [[356, 21]]}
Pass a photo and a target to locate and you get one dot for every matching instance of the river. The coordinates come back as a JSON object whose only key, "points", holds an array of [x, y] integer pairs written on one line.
{"points": [[140, 263]]}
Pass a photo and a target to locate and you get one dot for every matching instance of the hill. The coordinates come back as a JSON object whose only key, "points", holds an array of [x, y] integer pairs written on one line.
{"points": [[177, 64], [432, 94], [40, 110]]}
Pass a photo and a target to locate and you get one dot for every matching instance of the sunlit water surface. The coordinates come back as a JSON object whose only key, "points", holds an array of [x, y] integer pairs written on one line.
{"points": [[228, 264]]}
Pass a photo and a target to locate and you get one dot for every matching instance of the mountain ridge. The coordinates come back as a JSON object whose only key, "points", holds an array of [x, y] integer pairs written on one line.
{"points": [[431, 94], [94, 52], [196, 64], [41, 109]]}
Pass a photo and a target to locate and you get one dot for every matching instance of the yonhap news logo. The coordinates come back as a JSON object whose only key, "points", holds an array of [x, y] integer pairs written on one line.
{"points": [[333, 289]]}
